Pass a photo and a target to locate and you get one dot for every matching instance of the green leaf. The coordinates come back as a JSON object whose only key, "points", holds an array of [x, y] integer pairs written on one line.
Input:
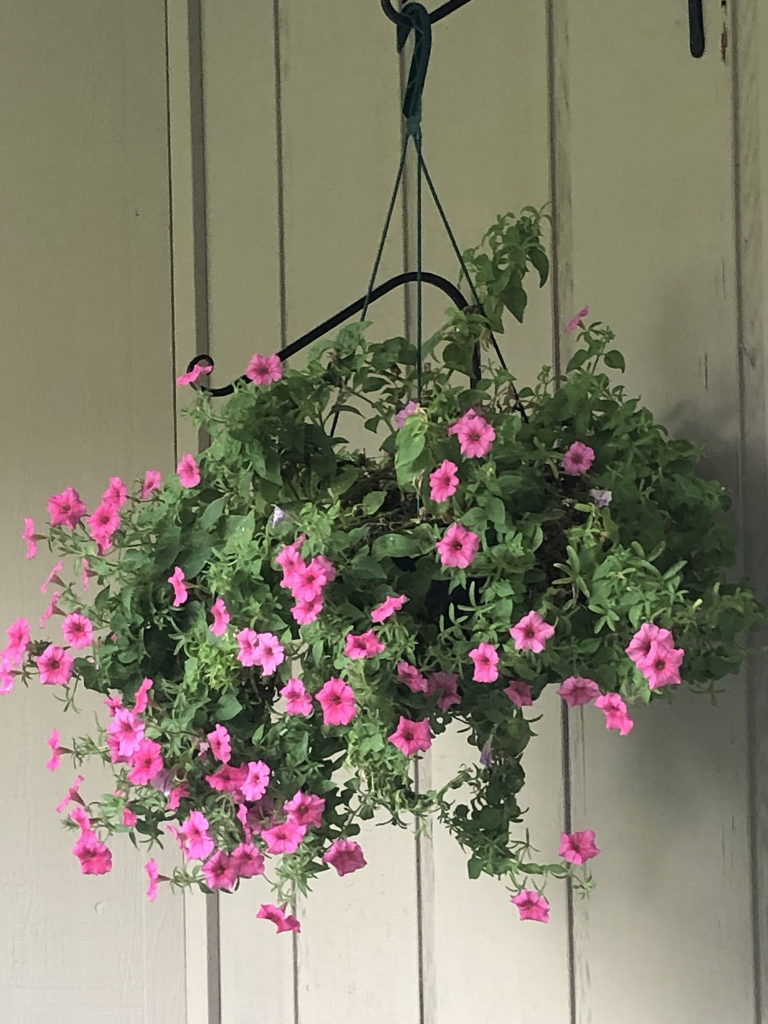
{"points": [[615, 360], [540, 261], [373, 501], [212, 514], [227, 708], [515, 299], [396, 545]]}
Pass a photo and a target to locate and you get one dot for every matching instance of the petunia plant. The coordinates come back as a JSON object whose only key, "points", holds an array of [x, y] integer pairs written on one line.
{"points": [[282, 626]]}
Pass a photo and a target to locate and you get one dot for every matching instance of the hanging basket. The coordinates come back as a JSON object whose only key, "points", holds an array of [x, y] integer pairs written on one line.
{"points": [[283, 626]]}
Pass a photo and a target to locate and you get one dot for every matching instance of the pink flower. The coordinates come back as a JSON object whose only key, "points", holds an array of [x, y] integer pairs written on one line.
{"points": [[298, 701], [55, 666], [153, 480], [248, 642], [116, 494], [615, 710], [140, 700], [412, 678], [338, 702], [72, 794], [444, 481], [640, 644], [221, 617], [180, 592], [219, 871], [30, 537], [197, 371], [80, 817], [365, 645], [128, 730], [345, 856], [146, 763], [247, 861], [389, 607], [458, 547], [578, 847], [188, 471], [575, 322], [103, 523], [532, 906], [305, 809], [531, 633], [285, 922], [288, 558], [256, 781], [270, 653], [410, 737], [576, 690], [306, 582], [446, 685], [227, 779], [221, 747], [486, 662], [52, 577], [77, 630], [86, 574], [176, 795], [519, 693], [408, 410], [94, 857], [154, 875], [475, 434], [578, 459], [53, 742], [66, 509], [264, 369], [52, 609], [284, 838], [6, 678], [305, 612], [129, 818], [661, 666], [18, 640], [197, 844]]}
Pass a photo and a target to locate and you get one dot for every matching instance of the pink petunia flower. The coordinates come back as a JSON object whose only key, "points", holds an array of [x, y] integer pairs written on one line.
{"points": [[188, 471], [578, 459], [79, 815], [227, 779], [408, 410], [389, 607], [72, 794], [55, 759], [661, 666], [197, 844], [55, 666], [284, 838], [298, 701], [219, 871], [486, 661], [519, 693], [531, 633], [305, 612], [153, 481], [221, 617], [30, 537], [66, 509], [129, 818], [475, 434], [247, 861], [154, 876], [52, 609], [141, 699], [578, 847], [264, 369], [615, 710], [176, 795], [576, 690], [640, 645], [305, 809], [103, 524], [18, 634], [411, 737], [86, 574], [248, 644], [256, 781], [128, 730], [52, 577], [458, 547], [94, 857], [412, 678], [444, 481], [345, 856], [337, 699], [116, 494], [221, 746], [191, 376], [307, 582], [177, 581], [288, 558], [285, 922], [532, 906], [270, 653], [575, 322], [446, 685], [77, 630], [7, 678], [365, 645], [146, 763]]}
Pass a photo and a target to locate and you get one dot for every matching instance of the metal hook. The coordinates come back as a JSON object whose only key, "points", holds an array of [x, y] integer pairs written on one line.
{"points": [[438, 15], [696, 27]]}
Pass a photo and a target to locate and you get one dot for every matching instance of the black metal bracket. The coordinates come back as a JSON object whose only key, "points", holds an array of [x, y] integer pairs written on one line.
{"points": [[435, 280], [696, 27], [436, 15]]}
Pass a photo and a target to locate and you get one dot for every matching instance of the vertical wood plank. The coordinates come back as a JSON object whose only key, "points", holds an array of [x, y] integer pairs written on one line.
{"points": [[85, 313], [653, 254], [486, 144]]}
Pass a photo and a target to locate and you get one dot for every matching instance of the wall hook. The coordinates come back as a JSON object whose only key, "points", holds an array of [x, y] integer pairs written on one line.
{"points": [[696, 27], [436, 15]]}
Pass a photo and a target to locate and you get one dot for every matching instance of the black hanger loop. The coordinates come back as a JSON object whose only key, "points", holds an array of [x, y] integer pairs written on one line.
{"points": [[696, 27], [437, 15]]}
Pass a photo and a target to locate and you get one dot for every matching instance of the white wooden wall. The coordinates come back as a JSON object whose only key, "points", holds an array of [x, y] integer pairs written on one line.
{"points": [[279, 125]]}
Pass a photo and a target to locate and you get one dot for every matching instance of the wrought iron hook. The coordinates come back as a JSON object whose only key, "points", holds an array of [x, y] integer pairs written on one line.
{"points": [[437, 15]]}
